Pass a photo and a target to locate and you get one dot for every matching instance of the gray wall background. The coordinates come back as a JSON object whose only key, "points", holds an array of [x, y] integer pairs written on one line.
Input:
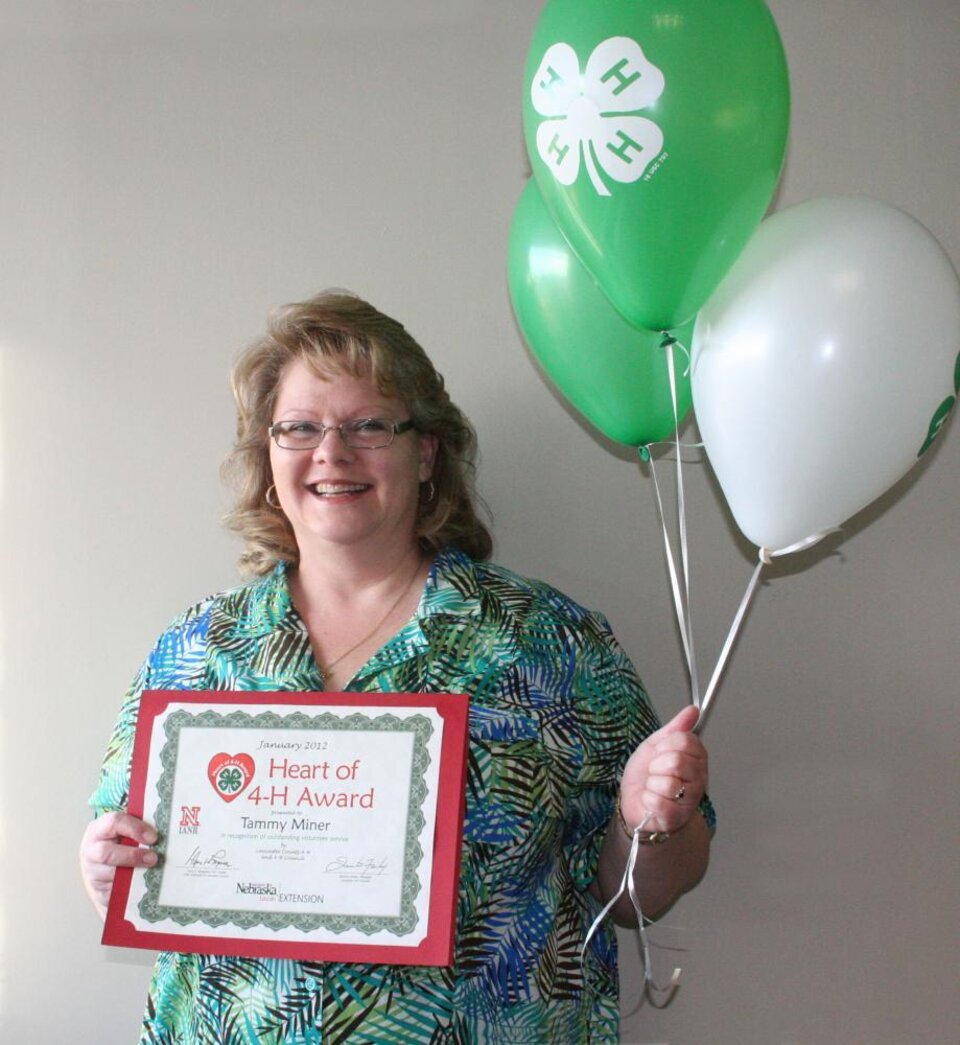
{"points": [[172, 170]]}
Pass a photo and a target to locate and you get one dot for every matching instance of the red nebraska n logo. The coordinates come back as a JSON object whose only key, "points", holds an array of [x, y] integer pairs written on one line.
{"points": [[189, 816]]}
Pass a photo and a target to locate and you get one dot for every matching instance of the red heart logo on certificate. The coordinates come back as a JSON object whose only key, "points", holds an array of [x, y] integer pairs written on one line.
{"points": [[230, 774]]}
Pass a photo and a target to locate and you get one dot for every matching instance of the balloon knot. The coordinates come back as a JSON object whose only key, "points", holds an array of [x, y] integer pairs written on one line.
{"points": [[645, 453], [667, 339]]}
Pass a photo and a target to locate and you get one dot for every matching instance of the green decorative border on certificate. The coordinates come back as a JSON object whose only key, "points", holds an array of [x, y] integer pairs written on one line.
{"points": [[420, 726]]}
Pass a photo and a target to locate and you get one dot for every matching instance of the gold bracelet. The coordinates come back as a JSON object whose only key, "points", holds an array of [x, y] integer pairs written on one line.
{"points": [[644, 838]]}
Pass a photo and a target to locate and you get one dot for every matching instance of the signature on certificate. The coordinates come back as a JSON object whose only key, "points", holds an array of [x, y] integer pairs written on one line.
{"points": [[218, 859], [359, 870]]}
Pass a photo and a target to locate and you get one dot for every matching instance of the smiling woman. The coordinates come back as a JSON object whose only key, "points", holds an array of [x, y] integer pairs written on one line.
{"points": [[354, 475], [338, 334], [338, 491]]}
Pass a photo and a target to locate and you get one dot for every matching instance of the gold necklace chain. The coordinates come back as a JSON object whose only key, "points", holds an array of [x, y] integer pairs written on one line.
{"points": [[325, 671]]}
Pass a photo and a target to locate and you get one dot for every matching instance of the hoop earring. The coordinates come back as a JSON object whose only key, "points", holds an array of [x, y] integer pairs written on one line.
{"points": [[266, 497], [431, 492]]}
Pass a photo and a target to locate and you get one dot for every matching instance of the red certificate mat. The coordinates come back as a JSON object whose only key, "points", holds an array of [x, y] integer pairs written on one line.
{"points": [[321, 826]]}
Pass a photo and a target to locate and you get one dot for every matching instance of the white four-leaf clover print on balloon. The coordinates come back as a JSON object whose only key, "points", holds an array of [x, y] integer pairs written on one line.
{"points": [[593, 115]]}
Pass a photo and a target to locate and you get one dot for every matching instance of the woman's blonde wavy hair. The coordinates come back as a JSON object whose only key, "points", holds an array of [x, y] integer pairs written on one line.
{"points": [[337, 332]]}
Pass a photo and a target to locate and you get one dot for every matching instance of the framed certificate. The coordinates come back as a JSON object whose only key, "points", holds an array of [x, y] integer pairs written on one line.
{"points": [[321, 826]]}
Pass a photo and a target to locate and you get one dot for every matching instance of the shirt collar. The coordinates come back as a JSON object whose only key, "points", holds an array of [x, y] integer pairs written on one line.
{"points": [[452, 590], [266, 606]]}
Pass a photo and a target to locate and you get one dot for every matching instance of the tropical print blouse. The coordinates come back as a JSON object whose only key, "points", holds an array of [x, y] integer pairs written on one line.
{"points": [[556, 708]]}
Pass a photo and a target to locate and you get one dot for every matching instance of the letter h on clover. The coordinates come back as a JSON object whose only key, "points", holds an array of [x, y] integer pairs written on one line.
{"points": [[594, 114]]}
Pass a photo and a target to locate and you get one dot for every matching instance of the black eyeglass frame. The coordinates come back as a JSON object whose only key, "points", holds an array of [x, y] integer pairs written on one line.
{"points": [[394, 428]]}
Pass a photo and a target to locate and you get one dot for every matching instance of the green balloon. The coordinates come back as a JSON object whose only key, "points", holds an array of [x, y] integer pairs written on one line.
{"points": [[938, 421], [656, 130], [616, 375]]}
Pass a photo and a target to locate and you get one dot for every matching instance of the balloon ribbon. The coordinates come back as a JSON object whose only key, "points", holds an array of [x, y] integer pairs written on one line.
{"points": [[680, 580], [681, 593], [628, 885]]}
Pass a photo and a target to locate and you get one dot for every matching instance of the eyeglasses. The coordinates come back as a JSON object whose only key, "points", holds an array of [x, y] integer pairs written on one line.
{"points": [[364, 433]]}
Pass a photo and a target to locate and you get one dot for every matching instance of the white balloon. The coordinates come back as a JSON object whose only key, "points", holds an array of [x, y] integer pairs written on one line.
{"points": [[821, 364]]}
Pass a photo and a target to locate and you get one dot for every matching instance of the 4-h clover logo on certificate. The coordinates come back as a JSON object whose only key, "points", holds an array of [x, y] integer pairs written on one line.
{"points": [[594, 114], [230, 774]]}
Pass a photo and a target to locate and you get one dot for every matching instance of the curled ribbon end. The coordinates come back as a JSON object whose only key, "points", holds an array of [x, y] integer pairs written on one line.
{"points": [[667, 993], [627, 885]]}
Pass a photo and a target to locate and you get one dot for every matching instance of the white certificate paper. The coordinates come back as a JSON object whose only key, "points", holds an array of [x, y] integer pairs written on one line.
{"points": [[321, 826]]}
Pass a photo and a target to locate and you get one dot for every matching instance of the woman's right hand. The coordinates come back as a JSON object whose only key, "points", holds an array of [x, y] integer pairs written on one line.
{"points": [[102, 852]]}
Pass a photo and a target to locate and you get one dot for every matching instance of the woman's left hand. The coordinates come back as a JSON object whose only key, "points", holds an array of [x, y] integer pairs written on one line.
{"points": [[666, 776]]}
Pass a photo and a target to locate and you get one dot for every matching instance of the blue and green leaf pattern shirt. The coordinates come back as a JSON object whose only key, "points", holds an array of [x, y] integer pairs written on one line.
{"points": [[556, 708]]}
